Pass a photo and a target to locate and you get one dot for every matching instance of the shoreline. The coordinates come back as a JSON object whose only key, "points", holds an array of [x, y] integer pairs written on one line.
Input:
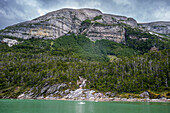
{"points": [[99, 99]]}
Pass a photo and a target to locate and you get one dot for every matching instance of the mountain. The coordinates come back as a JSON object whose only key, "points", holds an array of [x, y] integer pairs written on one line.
{"points": [[88, 54], [92, 22]]}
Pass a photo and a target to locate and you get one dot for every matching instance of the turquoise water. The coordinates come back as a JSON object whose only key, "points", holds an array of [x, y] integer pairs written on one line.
{"points": [[60, 106]]}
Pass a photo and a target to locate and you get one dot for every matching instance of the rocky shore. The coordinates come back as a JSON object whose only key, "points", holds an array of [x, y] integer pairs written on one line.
{"points": [[115, 99], [91, 95], [63, 92]]}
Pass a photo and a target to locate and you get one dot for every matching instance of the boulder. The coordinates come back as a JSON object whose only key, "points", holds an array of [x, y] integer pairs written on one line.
{"points": [[145, 94], [10, 42]]}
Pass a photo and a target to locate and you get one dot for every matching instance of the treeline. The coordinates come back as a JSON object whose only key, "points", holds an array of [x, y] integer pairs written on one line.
{"points": [[125, 74]]}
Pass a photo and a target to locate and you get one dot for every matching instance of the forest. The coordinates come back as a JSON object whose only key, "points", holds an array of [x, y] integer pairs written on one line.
{"points": [[108, 66]]}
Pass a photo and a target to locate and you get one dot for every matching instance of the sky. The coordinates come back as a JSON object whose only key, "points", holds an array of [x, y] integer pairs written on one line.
{"points": [[16, 11]]}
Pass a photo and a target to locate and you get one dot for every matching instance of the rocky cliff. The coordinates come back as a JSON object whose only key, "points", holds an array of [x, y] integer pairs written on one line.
{"points": [[95, 24], [158, 27], [58, 23]]}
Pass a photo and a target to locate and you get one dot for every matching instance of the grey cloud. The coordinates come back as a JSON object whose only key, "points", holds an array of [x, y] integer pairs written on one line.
{"points": [[14, 11], [11, 12]]}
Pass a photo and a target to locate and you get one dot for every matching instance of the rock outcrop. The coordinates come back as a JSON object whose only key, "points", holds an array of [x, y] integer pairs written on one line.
{"points": [[81, 82], [63, 91], [55, 91], [92, 22], [9, 42], [158, 27], [61, 22], [145, 94]]}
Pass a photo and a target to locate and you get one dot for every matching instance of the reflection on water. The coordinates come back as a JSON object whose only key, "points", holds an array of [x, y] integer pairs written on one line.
{"points": [[79, 108], [148, 107], [91, 108], [82, 107]]}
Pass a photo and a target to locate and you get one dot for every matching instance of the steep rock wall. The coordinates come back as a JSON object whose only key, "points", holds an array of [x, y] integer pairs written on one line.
{"points": [[58, 23], [158, 27]]}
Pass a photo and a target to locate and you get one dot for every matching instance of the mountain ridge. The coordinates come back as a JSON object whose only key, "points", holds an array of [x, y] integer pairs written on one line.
{"points": [[95, 24]]}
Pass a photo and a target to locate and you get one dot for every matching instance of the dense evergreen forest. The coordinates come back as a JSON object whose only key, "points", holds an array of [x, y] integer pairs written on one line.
{"points": [[108, 66]]}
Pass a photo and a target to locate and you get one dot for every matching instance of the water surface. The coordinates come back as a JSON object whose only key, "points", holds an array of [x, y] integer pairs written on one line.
{"points": [[60, 106]]}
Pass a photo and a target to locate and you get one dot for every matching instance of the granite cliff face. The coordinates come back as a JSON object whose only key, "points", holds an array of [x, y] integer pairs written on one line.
{"points": [[95, 24], [58, 23], [158, 27]]}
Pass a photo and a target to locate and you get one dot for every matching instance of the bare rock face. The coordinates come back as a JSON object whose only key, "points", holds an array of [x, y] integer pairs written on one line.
{"points": [[58, 23], [92, 22], [81, 82], [10, 42], [158, 27], [114, 33]]}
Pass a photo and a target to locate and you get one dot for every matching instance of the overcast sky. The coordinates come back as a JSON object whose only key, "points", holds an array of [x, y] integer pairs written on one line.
{"points": [[15, 11]]}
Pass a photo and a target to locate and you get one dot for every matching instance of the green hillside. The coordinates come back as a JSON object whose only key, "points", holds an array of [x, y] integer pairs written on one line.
{"points": [[36, 62]]}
